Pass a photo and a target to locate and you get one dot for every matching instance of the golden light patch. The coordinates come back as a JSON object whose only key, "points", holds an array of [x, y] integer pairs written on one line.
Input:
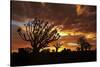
{"points": [[52, 49], [90, 36], [72, 44], [60, 49], [23, 28], [63, 33]]}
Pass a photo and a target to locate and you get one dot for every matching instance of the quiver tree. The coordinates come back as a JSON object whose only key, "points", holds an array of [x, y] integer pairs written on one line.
{"points": [[81, 42], [39, 33], [84, 45], [57, 46]]}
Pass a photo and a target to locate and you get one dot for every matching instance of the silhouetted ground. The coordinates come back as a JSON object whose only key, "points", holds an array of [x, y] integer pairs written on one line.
{"points": [[22, 59]]}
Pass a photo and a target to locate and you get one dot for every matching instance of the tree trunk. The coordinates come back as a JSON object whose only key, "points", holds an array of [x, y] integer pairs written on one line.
{"points": [[56, 49], [82, 49], [35, 49]]}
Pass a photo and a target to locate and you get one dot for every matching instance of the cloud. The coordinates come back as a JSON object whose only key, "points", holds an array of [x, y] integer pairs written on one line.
{"points": [[17, 23], [79, 10], [72, 44]]}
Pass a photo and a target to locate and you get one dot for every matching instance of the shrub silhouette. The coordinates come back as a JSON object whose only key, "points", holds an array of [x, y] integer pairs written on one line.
{"points": [[87, 46], [39, 33], [28, 50], [78, 48]]}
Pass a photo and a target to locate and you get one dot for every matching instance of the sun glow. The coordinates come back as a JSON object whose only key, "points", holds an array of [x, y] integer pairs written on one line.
{"points": [[60, 49], [73, 33], [52, 49], [62, 33]]}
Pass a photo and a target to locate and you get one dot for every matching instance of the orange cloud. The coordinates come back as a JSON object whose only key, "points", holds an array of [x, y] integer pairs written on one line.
{"points": [[79, 10]]}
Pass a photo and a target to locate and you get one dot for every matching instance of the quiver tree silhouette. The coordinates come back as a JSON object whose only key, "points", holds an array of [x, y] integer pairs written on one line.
{"points": [[82, 41], [57, 46], [39, 33], [84, 45]]}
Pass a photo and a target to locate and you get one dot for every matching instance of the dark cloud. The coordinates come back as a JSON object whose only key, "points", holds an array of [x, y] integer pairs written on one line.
{"points": [[70, 16]]}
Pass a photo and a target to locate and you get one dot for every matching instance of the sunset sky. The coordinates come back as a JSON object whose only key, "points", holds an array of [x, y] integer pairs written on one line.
{"points": [[72, 21]]}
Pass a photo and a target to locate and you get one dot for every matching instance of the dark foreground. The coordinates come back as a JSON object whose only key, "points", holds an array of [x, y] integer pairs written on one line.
{"points": [[22, 59]]}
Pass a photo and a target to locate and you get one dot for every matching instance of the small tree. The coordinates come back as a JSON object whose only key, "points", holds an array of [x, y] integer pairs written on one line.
{"points": [[81, 41], [84, 45], [57, 46], [39, 33]]}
